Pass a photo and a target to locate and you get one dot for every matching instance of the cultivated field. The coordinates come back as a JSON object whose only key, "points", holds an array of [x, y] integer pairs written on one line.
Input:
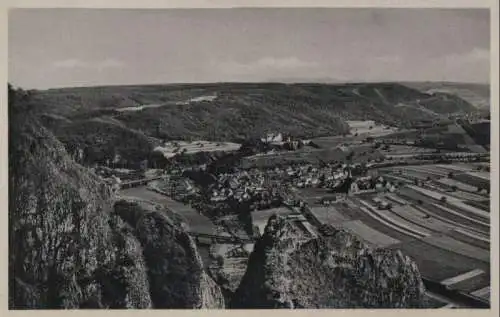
{"points": [[405, 150], [329, 215], [439, 255], [369, 235], [173, 148], [369, 128], [361, 153], [445, 231]]}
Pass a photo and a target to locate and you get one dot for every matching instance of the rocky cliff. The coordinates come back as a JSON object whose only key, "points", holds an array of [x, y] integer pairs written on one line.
{"points": [[332, 271], [175, 268], [63, 251], [71, 247]]}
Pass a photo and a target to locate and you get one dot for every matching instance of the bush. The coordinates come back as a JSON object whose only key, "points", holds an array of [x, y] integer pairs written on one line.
{"points": [[219, 259]]}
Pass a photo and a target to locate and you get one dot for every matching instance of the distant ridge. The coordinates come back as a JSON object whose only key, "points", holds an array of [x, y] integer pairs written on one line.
{"points": [[285, 80], [238, 112]]}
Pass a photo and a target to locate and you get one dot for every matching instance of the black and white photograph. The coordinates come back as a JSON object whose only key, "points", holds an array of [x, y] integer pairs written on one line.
{"points": [[250, 158]]}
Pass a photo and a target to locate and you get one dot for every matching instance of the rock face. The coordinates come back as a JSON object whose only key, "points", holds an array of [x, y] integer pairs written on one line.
{"points": [[63, 251], [175, 268], [71, 247], [332, 271]]}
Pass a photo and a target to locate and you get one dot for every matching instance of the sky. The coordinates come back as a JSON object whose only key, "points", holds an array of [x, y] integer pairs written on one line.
{"points": [[51, 48]]}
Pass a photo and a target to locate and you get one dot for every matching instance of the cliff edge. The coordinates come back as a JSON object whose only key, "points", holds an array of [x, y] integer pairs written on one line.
{"points": [[72, 246], [332, 271]]}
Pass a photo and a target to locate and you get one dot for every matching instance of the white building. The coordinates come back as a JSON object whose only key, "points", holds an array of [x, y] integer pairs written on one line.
{"points": [[271, 137]]}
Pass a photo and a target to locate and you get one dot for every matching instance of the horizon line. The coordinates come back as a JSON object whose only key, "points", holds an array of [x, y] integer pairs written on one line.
{"points": [[291, 82]]}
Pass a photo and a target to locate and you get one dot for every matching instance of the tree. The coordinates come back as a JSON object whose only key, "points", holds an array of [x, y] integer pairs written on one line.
{"points": [[350, 156], [256, 232], [219, 259]]}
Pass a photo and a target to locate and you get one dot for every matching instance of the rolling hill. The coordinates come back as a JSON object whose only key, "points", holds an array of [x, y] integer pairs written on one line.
{"points": [[477, 95], [233, 111]]}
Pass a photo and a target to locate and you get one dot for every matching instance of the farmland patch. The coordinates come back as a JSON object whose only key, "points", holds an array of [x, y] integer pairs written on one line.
{"points": [[328, 215], [437, 263], [458, 247], [369, 234]]}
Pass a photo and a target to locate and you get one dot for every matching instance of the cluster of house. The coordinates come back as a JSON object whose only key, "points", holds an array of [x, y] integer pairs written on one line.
{"points": [[309, 176], [356, 184], [177, 186], [244, 186], [380, 184], [362, 184]]}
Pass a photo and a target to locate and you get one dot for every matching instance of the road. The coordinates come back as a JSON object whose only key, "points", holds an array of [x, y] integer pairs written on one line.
{"points": [[138, 182], [221, 238]]}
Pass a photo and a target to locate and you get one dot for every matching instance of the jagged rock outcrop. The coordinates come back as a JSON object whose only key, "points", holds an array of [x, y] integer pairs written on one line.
{"points": [[333, 271], [175, 268], [63, 251], [70, 247]]}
